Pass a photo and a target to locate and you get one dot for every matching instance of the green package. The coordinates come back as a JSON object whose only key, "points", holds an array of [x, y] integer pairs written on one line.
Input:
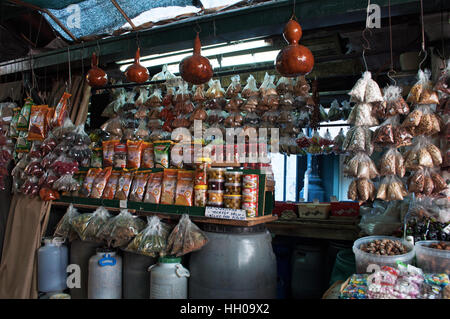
{"points": [[162, 151], [24, 116]]}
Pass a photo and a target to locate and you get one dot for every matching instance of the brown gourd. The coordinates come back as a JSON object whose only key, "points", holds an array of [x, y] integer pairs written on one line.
{"points": [[295, 59], [196, 69], [137, 72], [96, 77]]}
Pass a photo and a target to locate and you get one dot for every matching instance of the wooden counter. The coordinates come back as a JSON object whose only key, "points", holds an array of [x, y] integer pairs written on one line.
{"points": [[334, 229]]}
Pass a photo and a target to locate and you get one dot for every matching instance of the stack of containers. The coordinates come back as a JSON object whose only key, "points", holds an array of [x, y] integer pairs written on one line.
{"points": [[201, 182], [216, 186], [250, 186], [233, 189]]}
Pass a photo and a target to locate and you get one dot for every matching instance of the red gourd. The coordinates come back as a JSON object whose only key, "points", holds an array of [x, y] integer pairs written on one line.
{"points": [[137, 72], [295, 59], [196, 69], [96, 77]]}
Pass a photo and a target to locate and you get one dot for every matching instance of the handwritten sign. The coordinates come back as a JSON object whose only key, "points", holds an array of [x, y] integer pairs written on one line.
{"points": [[225, 213], [123, 203]]}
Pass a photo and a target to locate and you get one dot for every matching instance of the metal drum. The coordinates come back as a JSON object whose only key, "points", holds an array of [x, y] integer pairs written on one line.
{"points": [[237, 262], [136, 278], [80, 252]]}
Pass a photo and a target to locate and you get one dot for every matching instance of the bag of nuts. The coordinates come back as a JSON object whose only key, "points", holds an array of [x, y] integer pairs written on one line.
{"points": [[361, 166], [392, 163], [361, 189], [422, 92], [422, 154], [391, 188], [395, 104], [358, 138], [361, 115]]}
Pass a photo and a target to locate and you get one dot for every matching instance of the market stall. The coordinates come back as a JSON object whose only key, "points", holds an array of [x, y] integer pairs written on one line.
{"points": [[178, 184]]}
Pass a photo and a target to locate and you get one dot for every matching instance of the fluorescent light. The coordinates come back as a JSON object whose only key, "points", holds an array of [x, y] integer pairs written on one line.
{"points": [[233, 47]]}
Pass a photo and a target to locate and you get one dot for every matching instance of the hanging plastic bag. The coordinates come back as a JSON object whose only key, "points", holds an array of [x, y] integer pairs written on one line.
{"points": [[250, 88], [391, 188], [301, 87], [361, 189], [61, 110], [163, 75], [361, 166], [234, 88], [385, 134], [422, 154], [395, 104], [285, 85], [65, 183], [335, 112], [357, 139], [124, 228], [37, 129], [358, 92], [186, 237], [392, 163], [113, 127], [64, 227], [152, 240], [87, 225], [443, 83], [422, 92], [361, 115]]}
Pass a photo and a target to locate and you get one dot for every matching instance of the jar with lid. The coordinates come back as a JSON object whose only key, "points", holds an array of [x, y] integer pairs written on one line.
{"points": [[232, 201], [200, 195], [215, 198], [201, 171], [216, 173], [120, 156]]}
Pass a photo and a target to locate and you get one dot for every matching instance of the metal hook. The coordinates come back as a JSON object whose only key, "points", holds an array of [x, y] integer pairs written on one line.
{"points": [[424, 58], [389, 75], [365, 46]]}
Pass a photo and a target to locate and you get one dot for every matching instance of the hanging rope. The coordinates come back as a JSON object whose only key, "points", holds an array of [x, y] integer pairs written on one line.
{"points": [[294, 17], [423, 50], [366, 46], [391, 70]]}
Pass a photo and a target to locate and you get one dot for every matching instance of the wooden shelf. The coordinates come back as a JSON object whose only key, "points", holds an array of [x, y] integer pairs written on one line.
{"points": [[199, 219], [111, 205], [317, 228]]}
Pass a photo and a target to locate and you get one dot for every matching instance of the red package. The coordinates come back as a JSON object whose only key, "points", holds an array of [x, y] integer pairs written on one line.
{"points": [[47, 194], [100, 182], [134, 154], [60, 110], [37, 128], [108, 152]]}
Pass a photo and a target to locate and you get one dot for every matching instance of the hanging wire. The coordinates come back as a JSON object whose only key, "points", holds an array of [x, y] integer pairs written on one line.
{"points": [[391, 70], [198, 28], [423, 50], [293, 16], [70, 69], [366, 46]]}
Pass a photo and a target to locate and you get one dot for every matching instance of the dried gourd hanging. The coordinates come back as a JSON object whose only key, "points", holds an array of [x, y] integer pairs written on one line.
{"points": [[137, 72], [96, 77], [196, 69], [295, 59]]}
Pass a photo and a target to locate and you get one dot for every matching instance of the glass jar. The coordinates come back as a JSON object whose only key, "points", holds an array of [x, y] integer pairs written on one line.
{"points": [[200, 195], [216, 184], [201, 171], [216, 173], [233, 188], [233, 177], [232, 201], [215, 198]]}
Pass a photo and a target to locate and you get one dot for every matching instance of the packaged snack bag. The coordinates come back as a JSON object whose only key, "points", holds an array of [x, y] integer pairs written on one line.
{"points": [[86, 189], [100, 182], [154, 185], [124, 185], [169, 185], [134, 153], [185, 188], [138, 187], [110, 189]]}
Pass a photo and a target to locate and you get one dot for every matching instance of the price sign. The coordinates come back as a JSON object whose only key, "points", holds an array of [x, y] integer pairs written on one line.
{"points": [[123, 204], [225, 213]]}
